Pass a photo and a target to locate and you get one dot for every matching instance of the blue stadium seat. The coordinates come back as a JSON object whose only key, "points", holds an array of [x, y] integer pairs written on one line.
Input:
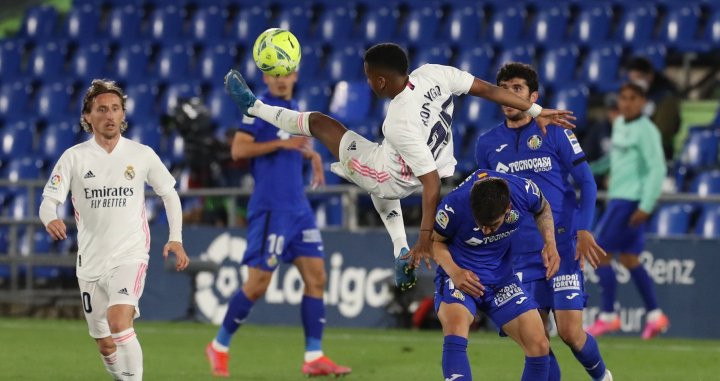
{"points": [[550, 24], [421, 25], [706, 183], [56, 139], [701, 148], [712, 29], [345, 64], [39, 23], [53, 101], [215, 62], [4, 244], [477, 112], [350, 102], [593, 23], [336, 25], [708, 225], [463, 23], [131, 63], [680, 27], [165, 24], [312, 57], [173, 63], [248, 24], [637, 24], [175, 92], [148, 134], [297, 19], [573, 98], [140, 103], [379, 110], [207, 25], [223, 110], [16, 140], [14, 100], [124, 23], [518, 53], [313, 97], [175, 149], [476, 60], [601, 67], [438, 54], [82, 23], [47, 61], [506, 26], [656, 53], [557, 66], [89, 62], [367, 131], [10, 59], [23, 168], [671, 220], [379, 24]]}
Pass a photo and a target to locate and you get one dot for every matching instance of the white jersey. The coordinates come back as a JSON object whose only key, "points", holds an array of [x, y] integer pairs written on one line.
{"points": [[417, 128], [108, 194]]}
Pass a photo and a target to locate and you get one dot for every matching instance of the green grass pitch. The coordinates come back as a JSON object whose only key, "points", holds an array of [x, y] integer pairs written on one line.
{"points": [[62, 350]]}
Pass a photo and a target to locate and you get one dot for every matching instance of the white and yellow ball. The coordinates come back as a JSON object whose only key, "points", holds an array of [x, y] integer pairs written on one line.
{"points": [[277, 52]]}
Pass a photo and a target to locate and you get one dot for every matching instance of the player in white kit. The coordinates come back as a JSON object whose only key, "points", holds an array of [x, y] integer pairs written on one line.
{"points": [[106, 176], [418, 146]]}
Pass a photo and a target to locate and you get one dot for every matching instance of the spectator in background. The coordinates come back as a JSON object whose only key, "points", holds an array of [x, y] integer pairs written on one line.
{"points": [[663, 100], [637, 170]]}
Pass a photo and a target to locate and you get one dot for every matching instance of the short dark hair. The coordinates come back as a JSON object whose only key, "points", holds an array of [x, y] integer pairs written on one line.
{"points": [[640, 64], [518, 70], [634, 87], [387, 56], [489, 199]]}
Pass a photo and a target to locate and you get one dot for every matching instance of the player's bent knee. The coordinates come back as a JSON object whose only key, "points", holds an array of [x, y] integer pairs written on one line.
{"points": [[537, 346], [106, 345], [573, 336], [630, 261]]}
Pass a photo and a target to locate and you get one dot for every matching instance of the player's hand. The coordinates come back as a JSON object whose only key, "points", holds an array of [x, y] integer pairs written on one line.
{"points": [[551, 260], [182, 259], [562, 118], [294, 143], [318, 173], [467, 282], [56, 229], [638, 218], [588, 250], [421, 251]]}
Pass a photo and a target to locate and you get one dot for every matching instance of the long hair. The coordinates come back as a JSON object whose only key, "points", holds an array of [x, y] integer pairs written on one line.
{"points": [[97, 87]]}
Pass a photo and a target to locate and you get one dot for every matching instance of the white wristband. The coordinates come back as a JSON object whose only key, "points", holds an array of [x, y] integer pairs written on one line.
{"points": [[534, 110]]}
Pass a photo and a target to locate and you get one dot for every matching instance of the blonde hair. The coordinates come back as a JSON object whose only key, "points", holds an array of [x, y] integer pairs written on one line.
{"points": [[97, 87]]}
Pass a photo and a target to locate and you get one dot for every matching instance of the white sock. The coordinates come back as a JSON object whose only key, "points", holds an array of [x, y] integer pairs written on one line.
{"points": [[111, 365], [130, 358], [391, 215], [654, 314], [293, 122], [313, 355], [607, 317], [219, 347]]}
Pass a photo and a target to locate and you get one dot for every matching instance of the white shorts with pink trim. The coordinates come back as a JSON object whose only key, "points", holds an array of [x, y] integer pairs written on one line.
{"points": [[364, 163], [121, 285]]}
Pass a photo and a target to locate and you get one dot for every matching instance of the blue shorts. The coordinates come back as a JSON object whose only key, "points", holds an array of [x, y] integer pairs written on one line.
{"points": [[565, 290], [275, 236], [502, 303], [613, 232]]}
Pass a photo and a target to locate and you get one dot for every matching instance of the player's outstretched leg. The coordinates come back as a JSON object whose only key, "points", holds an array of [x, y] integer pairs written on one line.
{"points": [[582, 345], [455, 319], [528, 331], [657, 321], [322, 127], [391, 215]]}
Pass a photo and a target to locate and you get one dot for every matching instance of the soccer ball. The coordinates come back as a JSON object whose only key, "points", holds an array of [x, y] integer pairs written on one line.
{"points": [[276, 52]]}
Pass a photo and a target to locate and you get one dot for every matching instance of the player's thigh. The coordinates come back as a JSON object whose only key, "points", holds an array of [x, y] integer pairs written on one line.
{"points": [[267, 238], [94, 303], [125, 286], [527, 330], [327, 130]]}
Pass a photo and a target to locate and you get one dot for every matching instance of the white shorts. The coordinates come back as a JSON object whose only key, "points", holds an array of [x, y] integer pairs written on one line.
{"points": [[362, 162], [121, 285]]}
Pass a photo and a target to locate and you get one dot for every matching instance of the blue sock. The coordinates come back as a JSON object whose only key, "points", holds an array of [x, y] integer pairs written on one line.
{"points": [[554, 368], [313, 320], [238, 310], [590, 358], [454, 360], [646, 287], [608, 282], [536, 368]]}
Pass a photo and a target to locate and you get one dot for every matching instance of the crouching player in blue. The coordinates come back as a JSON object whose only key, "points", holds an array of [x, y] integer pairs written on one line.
{"points": [[473, 226], [518, 146]]}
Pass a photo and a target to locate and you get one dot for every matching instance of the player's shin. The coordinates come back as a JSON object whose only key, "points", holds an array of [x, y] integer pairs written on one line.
{"points": [[312, 311], [130, 356], [238, 310], [391, 215], [536, 368], [290, 121], [111, 365], [554, 373], [455, 362], [590, 358]]}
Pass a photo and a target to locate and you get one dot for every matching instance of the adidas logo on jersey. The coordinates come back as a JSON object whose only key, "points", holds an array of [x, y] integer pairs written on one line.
{"points": [[89, 175], [352, 146], [124, 291], [392, 215]]}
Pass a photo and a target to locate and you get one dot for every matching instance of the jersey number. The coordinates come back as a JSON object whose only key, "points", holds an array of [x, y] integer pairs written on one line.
{"points": [[440, 133], [276, 244], [86, 302]]}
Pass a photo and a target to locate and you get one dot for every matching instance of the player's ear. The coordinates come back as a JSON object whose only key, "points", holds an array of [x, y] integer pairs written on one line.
{"points": [[534, 96]]}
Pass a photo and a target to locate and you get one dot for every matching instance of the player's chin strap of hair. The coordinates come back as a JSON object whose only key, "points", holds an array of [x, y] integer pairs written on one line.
{"points": [[534, 110]]}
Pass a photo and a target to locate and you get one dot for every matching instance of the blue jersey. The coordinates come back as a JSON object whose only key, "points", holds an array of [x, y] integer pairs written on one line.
{"points": [[547, 160], [278, 176], [487, 256]]}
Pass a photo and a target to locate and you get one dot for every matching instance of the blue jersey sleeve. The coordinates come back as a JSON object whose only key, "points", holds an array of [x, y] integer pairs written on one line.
{"points": [[530, 196], [250, 125], [574, 160], [481, 153], [568, 147], [447, 221]]}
